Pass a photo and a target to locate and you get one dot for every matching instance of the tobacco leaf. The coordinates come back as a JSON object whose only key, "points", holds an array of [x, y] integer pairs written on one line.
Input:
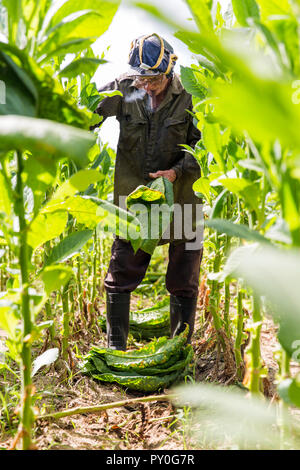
{"points": [[153, 367], [157, 352], [148, 323]]}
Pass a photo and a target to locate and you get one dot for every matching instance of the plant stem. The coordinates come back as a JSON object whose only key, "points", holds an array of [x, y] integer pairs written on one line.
{"points": [[239, 334], [26, 408], [79, 286], [106, 406], [227, 215], [255, 348], [283, 409], [214, 295], [50, 317], [66, 320], [95, 255]]}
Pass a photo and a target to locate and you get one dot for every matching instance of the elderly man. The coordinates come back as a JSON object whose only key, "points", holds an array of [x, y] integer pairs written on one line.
{"points": [[154, 121]]}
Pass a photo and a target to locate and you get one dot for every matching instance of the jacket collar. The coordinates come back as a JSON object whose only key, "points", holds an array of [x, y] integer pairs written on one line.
{"points": [[176, 85]]}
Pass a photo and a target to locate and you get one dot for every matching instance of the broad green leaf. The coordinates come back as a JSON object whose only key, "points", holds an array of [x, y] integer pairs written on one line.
{"points": [[55, 277], [202, 187], [70, 47], [45, 359], [289, 391], [279, 232], [248, 190], [46, 226], [78, 182], [46, 138], [19, 71], [107, 9], [195, 43], [201, 14], [235, 185], [16, 89], [209, 65], [227, 417], [83, 65], [236, 230], [219, 204], [93, 22], [269, 37], [38, 176], [69, 246], [116, 220], [270, 8], [244, 9], [8, 319], [5, 196], [290, 207], [266, 102], [83, 209], [14, 16], [255, 86], [85, 26], [191, 84], [212, 140], [90, 97], [34, 14]]}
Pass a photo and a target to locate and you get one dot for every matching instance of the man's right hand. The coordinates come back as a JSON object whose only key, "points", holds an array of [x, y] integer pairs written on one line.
{"points": [[169, 174]]}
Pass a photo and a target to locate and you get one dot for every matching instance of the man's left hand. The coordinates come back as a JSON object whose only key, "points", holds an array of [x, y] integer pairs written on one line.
{"points": [[169, 174]]}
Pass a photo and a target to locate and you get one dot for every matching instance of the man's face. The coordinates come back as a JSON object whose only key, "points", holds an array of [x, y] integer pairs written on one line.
{"points": [[152, 85]]}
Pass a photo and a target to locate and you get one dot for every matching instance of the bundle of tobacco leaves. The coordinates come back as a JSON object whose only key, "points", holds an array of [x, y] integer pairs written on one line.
{"points": [[148, 323], [152, 205], [150, 368]]}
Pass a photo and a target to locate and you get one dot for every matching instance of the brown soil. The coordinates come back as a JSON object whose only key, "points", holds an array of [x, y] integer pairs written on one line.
{"points": [[152, 425]]}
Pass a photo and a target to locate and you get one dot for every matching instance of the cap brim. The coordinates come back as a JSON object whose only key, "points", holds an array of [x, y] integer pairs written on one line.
{"points": [[138, 71]]}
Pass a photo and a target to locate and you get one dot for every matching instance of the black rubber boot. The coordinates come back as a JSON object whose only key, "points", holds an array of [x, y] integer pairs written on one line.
{"points": [[182, 310], [117, 319]]}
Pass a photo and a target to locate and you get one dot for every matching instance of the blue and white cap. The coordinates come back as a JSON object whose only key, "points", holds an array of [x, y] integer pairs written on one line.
{"points": [[151, 55]]}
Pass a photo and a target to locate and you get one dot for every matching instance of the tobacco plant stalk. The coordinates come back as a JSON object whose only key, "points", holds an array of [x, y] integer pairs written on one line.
{"points": [[214, 295], [79, 285], [66, 320], [255, 353], [239, 333], [26, 404], [95, 257]]}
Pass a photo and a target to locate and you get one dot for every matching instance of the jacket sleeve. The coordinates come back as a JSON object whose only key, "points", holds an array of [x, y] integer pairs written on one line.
{"points": [[188, 164], [109, 106]]}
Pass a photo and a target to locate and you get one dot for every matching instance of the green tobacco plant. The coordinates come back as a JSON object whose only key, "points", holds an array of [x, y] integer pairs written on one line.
{"points": [[40, 121], [273, 274], [20, 306]]}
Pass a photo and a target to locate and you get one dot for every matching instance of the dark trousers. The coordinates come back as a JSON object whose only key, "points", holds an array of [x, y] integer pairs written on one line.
{"points": [[127, 269]]}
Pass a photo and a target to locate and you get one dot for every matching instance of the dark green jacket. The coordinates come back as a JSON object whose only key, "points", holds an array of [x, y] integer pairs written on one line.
{"points": [[150, 141]]}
